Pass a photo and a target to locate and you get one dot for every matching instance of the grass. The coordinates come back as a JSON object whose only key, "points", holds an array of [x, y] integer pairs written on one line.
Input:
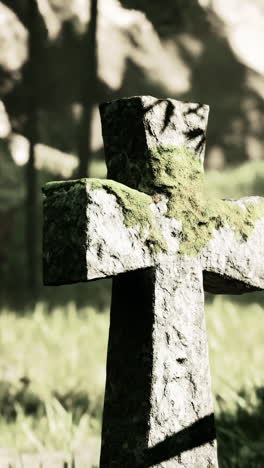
{"points": [[52, 373], [244, 180], [235, 331]]}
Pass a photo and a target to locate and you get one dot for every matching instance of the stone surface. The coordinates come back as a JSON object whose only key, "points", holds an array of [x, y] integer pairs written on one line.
{"points": [[180, 391], [64, 239], [154, 122], [159, 384], [231, 265], [170, 243]]}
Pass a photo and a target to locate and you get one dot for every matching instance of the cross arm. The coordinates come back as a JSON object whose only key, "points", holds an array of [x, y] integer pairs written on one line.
{"points": [[233, 260], [96, 228]]}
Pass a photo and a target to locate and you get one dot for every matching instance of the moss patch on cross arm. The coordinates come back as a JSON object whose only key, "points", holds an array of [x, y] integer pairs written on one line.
{"points": [[135, 206], [178, 173], [136, 210]]}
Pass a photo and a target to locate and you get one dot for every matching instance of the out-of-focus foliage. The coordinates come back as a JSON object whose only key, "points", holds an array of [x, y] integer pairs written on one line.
{"points": [[184, 50]]}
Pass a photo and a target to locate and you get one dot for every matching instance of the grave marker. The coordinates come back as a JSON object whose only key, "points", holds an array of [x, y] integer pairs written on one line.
{"points": [[153, 229]]}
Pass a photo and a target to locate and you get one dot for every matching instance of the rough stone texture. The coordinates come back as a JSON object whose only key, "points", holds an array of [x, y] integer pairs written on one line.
{"points": [[181, 393], [158, 407], [88, 239], [127, 404], [231, 265], [159, 384], [132, 126], [64, 233], [113, 247]]}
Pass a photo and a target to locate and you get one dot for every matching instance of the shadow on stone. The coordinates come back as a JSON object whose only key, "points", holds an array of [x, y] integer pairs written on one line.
{"points": [[199, 433], [129, 361]]}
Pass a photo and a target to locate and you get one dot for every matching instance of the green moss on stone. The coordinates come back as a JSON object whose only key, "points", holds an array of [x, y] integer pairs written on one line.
{"points": [[135, 206], [176, 172], [136, 210], [173, 168], [179, 174]]}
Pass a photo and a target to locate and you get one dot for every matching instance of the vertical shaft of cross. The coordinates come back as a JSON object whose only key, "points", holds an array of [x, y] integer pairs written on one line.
{"points": [[129, 371], [181, 422], [158, 407]]}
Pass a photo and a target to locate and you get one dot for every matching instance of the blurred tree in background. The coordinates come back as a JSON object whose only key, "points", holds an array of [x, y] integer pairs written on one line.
{"points": [[59, 59], [89, 90]]}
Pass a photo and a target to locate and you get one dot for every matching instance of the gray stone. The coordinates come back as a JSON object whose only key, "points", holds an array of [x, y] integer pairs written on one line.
{"points": [[163, 247], [131, 126]]}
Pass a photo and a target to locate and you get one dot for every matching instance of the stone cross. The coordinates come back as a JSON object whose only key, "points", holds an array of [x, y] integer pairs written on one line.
{"points": [[151, 227]]}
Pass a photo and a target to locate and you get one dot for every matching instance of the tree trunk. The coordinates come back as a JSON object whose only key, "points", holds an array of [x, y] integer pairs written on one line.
{"points": [[88, 92], [31, 131]]}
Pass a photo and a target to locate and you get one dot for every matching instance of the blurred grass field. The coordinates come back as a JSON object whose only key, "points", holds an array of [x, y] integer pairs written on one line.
{"points": [[52, 366], [52, 361]]}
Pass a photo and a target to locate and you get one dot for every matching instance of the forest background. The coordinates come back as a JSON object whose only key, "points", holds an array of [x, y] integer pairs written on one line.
{"points": [[58, 60]]}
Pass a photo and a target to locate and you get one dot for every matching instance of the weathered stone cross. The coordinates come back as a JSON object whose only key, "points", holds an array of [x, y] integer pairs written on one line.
{"points": [[152, 228]]}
